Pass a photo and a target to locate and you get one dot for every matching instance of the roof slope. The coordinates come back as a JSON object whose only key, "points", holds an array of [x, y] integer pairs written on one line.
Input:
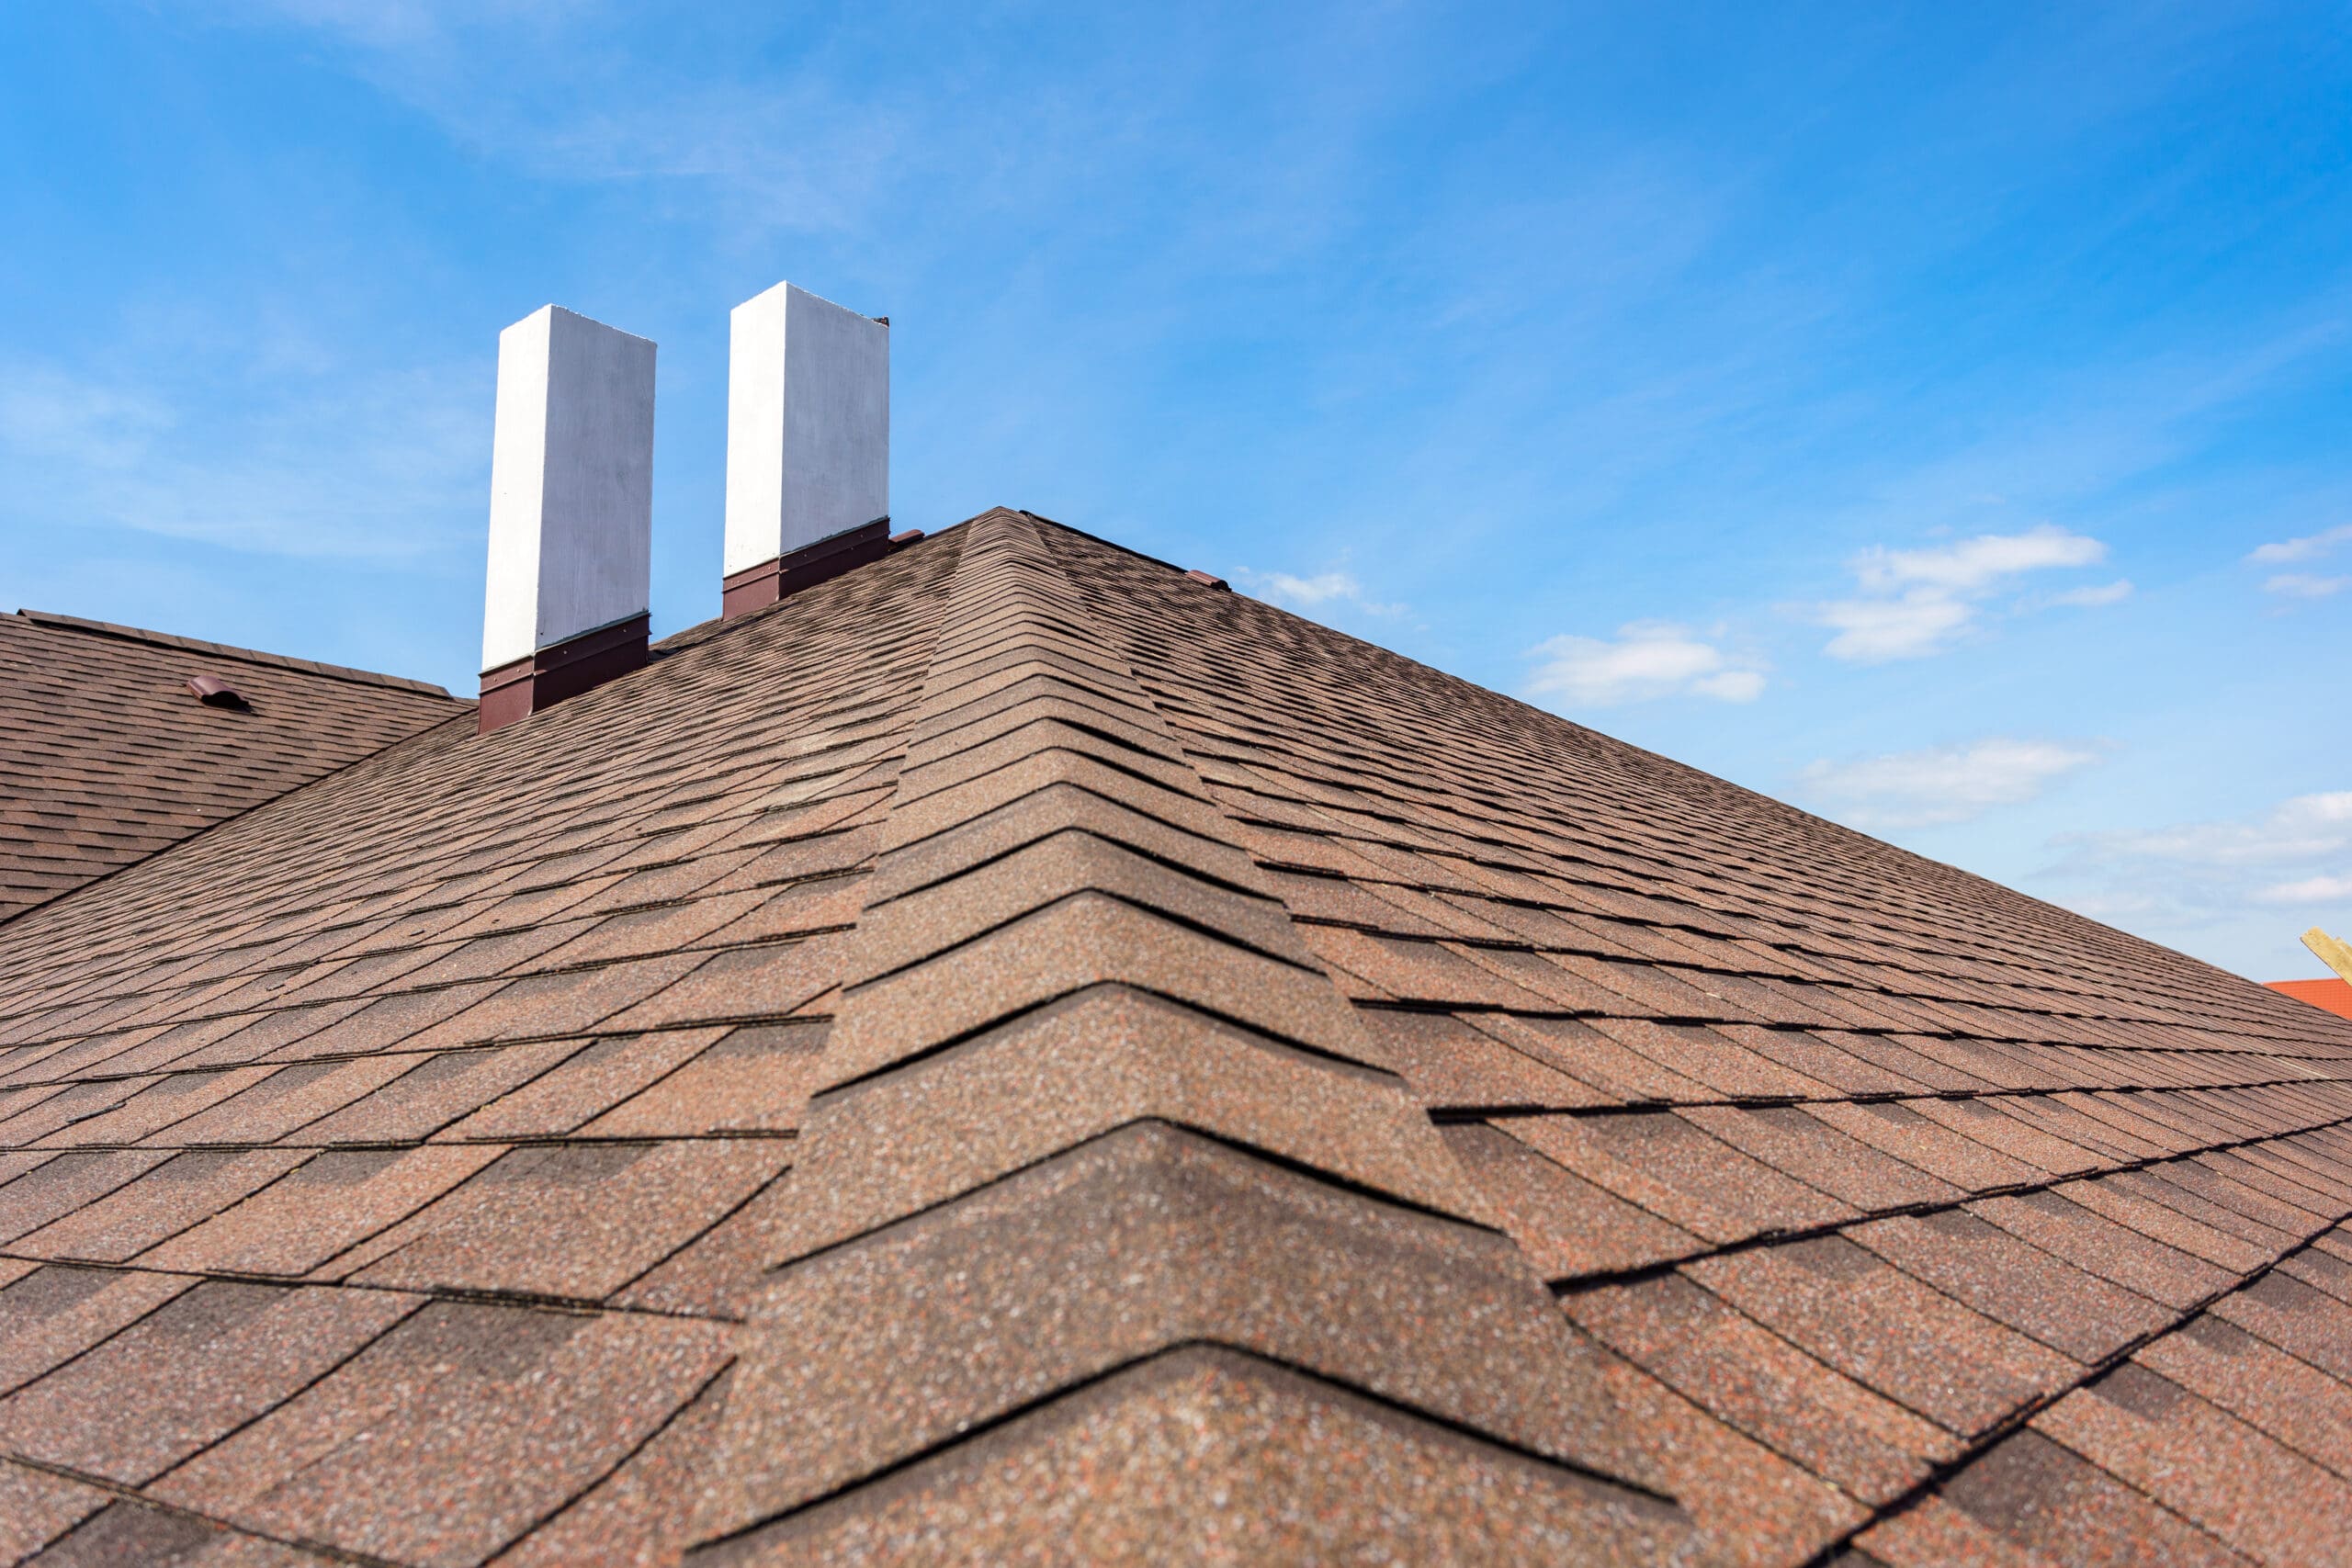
{"points": [[1015, 1053], [106, 756]]}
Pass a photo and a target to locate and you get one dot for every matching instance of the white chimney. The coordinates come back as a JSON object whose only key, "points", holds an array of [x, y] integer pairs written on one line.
{"points": [[571, 513], [807, 443]]}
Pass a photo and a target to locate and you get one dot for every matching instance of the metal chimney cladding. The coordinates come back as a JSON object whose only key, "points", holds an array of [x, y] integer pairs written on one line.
{"points": [[808, 445], [571, 513]]}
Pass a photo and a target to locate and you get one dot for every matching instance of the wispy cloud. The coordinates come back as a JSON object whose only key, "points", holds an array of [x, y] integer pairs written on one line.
{"points": [[2192, 874], [2309, 548], [2309, 890], [1972, 565], [1647, 660], [2304, 585], [1333, 587], [1914, 602], [1943, 783], [388, 466], [2092, 598]]}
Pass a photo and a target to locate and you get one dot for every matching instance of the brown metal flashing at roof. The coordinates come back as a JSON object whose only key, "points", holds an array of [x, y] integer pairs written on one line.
{"points": [[759, 586], [1004, 1056], [526, 686]]}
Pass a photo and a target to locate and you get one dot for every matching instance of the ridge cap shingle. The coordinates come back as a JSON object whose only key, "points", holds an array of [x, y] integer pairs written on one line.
{"points": [[243, 655]]}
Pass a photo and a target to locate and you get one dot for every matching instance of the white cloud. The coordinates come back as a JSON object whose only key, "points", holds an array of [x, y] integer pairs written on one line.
{"points": [[1649, 659], [1974, 564], [1871, 631], [1943, 783], [2306, 828], [384, 466], [2304, 585], [2092, 598], [2309, 890], [1333, 587], [2197, 876], [2308, 548], [1919, 601]]}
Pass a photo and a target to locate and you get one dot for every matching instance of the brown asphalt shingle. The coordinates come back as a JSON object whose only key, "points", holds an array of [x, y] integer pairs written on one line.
{"points": [[108, 758], [1016, 1051]]}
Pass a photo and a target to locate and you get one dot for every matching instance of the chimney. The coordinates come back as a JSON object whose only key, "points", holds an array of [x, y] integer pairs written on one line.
{"points": [[571, 513], [808, 445]]}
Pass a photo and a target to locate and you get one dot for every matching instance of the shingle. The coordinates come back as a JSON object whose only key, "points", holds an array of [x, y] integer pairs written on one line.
{"points": [[483, 1419], [1897, 1128], [2027, 1501], [1752, 1507], [1809, 1150], [1912, 1344], [202, 1364], [577, 1221], [1153, 1269], [1451, 1064], [2206, 1465], [2113, 1198], [68, 1108], [36, 1507], [746, 983], [1565, 1226], [1675, 1171], [2052, 1220], [2293, 1401], [129, 1531], [286, 1101], [643, 1511], [2012, 1282], [64, 1182], [585, 1085], [2296, 1318], [432, 1091], [53, 1313], [570, 1001], [185, 1189], [1763, 1385], [1168, 1460], [332, 1201], [1577, 1048]]}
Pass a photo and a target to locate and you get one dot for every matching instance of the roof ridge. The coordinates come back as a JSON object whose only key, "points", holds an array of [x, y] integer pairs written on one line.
{"points": [[1064, 1086], [226, 650]]}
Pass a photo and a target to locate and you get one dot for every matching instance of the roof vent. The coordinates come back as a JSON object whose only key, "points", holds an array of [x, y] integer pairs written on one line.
{"points": [[808, 445], [571, 513], [215, 692]]}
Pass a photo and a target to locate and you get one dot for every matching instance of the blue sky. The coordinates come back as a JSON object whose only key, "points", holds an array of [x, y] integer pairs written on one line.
{"points": [[1939, 416]]}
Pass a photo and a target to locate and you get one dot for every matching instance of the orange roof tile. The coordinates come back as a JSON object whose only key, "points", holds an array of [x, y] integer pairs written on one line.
{"points": [[2333, 993]]}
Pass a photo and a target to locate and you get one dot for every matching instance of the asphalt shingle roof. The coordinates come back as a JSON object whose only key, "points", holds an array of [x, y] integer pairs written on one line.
{"points": [[106, 757], [1017, 1054]]}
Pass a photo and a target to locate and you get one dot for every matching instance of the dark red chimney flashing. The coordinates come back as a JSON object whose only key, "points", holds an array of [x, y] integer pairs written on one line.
{"points": [[755, 588], [565, 669]]}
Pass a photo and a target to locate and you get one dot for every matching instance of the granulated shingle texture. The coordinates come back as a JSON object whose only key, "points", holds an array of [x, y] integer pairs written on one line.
{"points": [[106, 757], [1017, 1054]]}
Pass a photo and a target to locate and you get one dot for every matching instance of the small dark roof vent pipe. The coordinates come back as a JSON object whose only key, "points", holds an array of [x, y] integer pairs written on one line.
{"points": [[215, 692]]}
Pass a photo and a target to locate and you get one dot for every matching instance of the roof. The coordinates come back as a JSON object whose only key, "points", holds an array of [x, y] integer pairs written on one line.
{"points": [[1017, 1054], [2332, 993], [106, 756]]}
